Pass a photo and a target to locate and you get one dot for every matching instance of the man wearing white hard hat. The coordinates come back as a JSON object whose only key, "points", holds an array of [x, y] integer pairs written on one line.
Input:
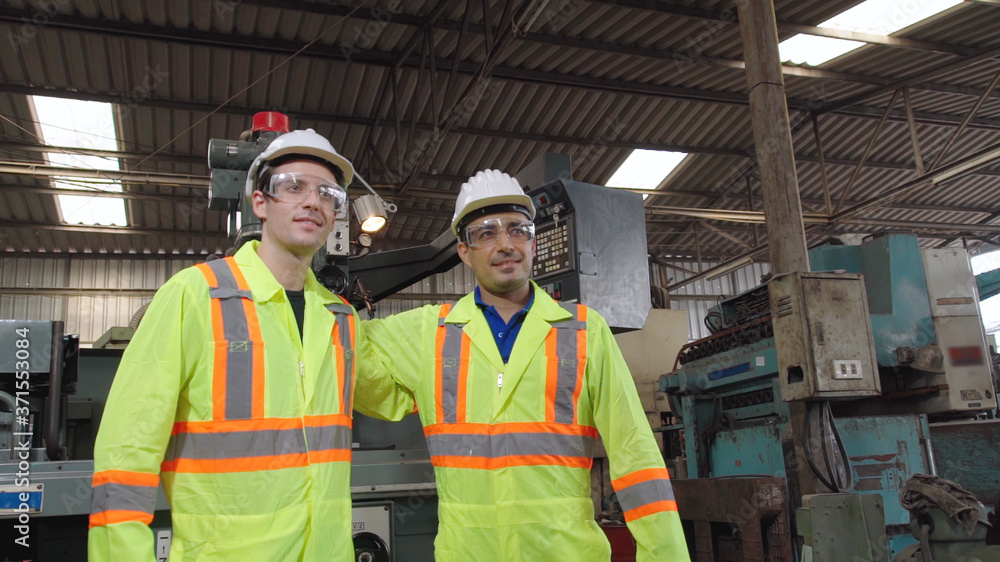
{"points": [[236, 391], [513, 390]]}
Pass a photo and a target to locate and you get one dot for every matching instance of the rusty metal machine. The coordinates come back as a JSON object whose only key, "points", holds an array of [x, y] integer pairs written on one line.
{"points": [[883, 350]]}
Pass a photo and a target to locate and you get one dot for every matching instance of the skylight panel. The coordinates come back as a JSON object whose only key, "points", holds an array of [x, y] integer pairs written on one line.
{"points": [[878, 17], [645, 169], [82, 124]]}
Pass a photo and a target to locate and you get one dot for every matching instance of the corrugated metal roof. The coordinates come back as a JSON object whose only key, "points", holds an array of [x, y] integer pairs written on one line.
{"points": [[588, 79]]}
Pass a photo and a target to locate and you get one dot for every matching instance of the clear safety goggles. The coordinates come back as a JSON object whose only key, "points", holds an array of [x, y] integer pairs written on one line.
{"points": [[293, 187], [488, 232]]}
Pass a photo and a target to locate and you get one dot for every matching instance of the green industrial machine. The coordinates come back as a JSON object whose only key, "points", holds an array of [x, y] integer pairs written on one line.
{"points": [[878, 350]]}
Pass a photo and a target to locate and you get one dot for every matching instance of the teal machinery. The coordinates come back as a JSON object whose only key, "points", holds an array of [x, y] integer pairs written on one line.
{"points": [[897, 387]]}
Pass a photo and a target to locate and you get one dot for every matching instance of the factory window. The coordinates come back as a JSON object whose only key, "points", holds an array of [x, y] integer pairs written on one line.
{"points": [[81, 130], [876, 17], [645, 169]]}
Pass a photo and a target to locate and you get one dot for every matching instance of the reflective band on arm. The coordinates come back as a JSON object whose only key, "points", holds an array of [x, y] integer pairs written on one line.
{"points": [[645, 492], [120, 496]]}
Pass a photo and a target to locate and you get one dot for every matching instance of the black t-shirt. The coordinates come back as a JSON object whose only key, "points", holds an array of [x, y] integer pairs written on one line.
{"points": [[298, 301]]}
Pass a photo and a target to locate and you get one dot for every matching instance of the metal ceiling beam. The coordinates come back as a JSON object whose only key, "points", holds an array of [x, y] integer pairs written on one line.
{"points": [[178, 199], [513, 135], [911, 81], [7, 147], [388, 60], [130, 230], [727, 17]]}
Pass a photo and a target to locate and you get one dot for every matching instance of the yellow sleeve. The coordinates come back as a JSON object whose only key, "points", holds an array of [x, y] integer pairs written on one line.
{"points": [[389, 355], [638, 474], [137, 422]]}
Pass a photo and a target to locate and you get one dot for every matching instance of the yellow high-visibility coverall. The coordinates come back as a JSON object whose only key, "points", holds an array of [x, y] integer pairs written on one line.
{"points": [[248, 426], [512, 443]]}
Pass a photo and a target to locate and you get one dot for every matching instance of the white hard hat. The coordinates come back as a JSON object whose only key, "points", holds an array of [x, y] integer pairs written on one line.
{"points": [[307, 143], [486, 189]]}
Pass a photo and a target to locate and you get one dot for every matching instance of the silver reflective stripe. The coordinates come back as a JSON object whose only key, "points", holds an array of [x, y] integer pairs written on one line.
{"points": [[566, 350], [451, 360], [107, 497], [508, 444], [340, 308], [343, 314], [650, 491], [239, 356], [236, 444], [328, 437]]}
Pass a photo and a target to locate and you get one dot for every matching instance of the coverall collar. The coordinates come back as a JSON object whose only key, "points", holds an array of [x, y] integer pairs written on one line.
{"points": [[265, 286]]}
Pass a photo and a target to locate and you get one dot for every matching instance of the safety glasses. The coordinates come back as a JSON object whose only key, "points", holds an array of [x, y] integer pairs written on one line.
{"points": [[488, 232], [293, 187]]}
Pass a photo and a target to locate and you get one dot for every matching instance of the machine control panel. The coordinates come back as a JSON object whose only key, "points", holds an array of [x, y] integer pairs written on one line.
{"points": [[552, 249]]}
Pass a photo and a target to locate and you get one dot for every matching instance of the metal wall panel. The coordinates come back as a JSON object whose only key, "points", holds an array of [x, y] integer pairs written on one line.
{"points": [[89, 294]]}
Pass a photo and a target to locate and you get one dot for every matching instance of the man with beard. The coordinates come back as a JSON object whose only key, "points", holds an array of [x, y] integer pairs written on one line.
{"points": [[513, 390]]}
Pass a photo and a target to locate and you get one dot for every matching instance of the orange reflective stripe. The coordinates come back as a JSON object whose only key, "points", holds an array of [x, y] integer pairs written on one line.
{"points": [[208, 273], [331, 455], [551, 375], [126, 477], [439, 338], [119, 516], [257, 378], [242, 464], [223, 426], [328, 420], [640, 476], [512, 427], [463, 379], [493, 463], [649, 509], [354, 341], [241, 281], [581, 360], [341, 376]]}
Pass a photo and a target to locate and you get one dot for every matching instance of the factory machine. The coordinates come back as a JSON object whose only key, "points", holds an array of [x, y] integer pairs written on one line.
{"points": [[868, 370], [46, 464]]}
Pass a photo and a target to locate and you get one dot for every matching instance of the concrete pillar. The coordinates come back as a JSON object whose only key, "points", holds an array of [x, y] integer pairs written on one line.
{"points": [[772, 137]]}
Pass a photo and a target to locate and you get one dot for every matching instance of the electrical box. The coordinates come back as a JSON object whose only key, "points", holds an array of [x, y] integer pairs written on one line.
{"points": [[823, 336], [591, 248]]}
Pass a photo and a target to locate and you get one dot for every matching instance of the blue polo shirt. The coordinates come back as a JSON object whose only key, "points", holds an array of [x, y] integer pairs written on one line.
{"points": [[504, 333]]}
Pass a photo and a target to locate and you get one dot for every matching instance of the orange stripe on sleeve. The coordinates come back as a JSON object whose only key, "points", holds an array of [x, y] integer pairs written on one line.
{"points": [[650, 509], [113, 516], [640, 476], [127, 478]]}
